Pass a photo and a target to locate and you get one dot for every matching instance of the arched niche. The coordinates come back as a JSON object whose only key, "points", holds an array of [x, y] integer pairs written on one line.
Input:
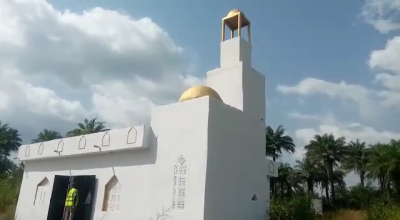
{"points": [[27, 150], [131, 136], [82, 143], [41, 192], [60, 146], [105, 142], [112, 195], [40, 149], [271, 167]]}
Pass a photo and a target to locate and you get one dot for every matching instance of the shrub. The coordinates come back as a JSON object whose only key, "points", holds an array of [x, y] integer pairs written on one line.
{"points": [[383, 210], [297, 208], [8, 193]]}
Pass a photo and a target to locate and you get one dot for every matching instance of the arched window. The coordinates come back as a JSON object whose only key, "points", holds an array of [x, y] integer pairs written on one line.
{"points": [[112, 195], [41, 192]]}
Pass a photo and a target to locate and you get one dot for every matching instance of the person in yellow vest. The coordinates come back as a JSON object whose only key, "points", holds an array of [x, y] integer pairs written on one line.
{"points": [[71, 202]]}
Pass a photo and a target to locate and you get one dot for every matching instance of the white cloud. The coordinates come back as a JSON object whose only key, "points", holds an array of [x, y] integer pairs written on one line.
{"points": [[367, 99], [38, 100], [390, 81], [387, 58], [63, 66], [382, 14], [329, 118], [329, 125], [358, 94]]}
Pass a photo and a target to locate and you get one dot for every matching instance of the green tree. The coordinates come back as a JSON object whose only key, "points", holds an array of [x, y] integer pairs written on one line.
{"points": [[277, 141], [330, 151], [384, 165], [285, 172], [376, 166], [307, 171], [87, 127], [46, 135], [9, 140], [7, 167], [356, 160]]}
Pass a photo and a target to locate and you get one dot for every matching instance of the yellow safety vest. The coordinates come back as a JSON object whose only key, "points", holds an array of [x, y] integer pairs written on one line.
{"points": [[71, 197]]}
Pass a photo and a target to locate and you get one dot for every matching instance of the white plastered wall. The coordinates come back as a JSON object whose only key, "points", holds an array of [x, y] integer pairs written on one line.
{"points": [[146, 175], [236, 167]]}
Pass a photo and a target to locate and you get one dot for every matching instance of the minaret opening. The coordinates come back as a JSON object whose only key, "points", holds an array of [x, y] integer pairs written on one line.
{"points": [[235, 21]]}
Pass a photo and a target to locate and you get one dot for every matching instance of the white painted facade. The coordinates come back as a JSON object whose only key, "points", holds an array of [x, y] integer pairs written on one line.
{"points": [[200, 159]]}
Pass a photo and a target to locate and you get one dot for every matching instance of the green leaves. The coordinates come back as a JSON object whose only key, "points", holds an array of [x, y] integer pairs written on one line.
{"points": [[9, 139], [297, 208], [87, 127], [46, 135], [277, 141]]}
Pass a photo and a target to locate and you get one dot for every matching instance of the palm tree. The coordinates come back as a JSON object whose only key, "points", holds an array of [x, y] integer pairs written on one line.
{"points": [[6, 166], [330, 151], [46, 135], [9, 140], [285, 172], [384, 165], [356, 159], [307, 171], [277, 141], [87, 127], [360, 196], [393, 164], [376, 166]]}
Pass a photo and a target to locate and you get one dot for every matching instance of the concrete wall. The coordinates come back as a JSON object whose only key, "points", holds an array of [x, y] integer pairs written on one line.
{"points": [[146, 175], [222, 151], [235, 50], [238, 84], [181, 129], [236, 168], [106, 142]]}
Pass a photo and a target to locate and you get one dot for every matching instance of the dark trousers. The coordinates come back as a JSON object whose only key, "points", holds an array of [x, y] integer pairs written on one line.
{"points": [[69, 213]]}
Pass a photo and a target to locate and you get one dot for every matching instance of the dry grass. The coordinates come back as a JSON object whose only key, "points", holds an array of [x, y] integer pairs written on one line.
{"points": [[8, 213], [345, 215]]}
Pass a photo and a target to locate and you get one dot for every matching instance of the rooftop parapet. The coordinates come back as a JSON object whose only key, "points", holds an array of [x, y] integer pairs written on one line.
{"points": [[103, 142]]}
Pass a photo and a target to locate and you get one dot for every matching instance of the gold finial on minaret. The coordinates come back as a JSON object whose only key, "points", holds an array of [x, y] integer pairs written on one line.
{"points": [[235, 20]]}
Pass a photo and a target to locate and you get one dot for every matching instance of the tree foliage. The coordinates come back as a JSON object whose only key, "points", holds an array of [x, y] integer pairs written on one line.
{"points": [[87, 127], [46, 135], [328, 159]]}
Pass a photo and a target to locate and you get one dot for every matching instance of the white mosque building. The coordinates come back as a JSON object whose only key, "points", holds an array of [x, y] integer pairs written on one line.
{"points": [[202, 158]]}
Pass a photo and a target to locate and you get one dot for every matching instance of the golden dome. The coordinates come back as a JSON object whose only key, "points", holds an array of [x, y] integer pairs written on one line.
{"points": [[233, 12], [199, 91]]}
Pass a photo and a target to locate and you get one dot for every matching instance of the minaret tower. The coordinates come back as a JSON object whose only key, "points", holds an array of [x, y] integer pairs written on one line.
{"points": [[238, 84]]}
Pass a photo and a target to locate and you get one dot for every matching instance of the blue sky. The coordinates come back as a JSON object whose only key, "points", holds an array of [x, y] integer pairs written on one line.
{"points": [[291, 40], [330, 66]]}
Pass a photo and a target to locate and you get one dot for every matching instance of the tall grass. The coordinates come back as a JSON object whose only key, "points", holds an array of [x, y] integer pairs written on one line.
{"points": [[345, 215], [300, 208], [297, 208], [8, 193], [9, 190]]}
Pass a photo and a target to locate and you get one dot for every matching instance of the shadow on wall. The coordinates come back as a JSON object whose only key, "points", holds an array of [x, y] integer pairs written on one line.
{"points": [[135, 157]]}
